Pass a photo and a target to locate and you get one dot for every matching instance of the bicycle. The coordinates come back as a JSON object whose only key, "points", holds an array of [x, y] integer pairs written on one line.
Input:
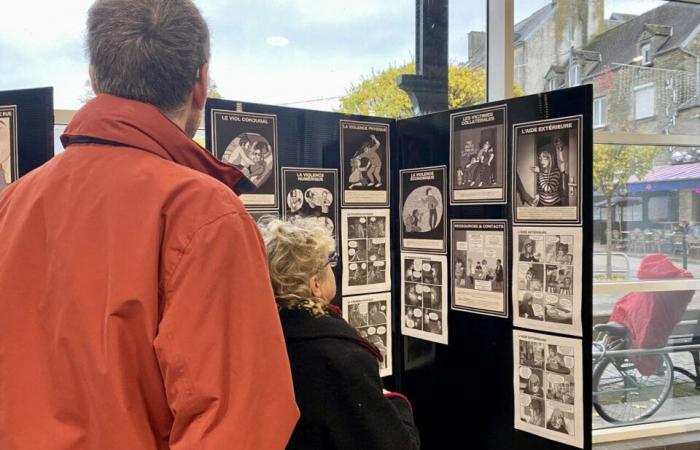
{"points": [[621, 393]]}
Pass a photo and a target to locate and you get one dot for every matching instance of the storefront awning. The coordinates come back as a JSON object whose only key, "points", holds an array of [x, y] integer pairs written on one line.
{"points": [[667, 178]]}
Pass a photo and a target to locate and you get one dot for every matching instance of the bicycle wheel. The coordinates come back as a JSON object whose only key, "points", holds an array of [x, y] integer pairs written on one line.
{"points": [[622, 394]]}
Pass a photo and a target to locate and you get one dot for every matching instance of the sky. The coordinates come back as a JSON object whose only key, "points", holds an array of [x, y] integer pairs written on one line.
{"points": [[304, 53]]}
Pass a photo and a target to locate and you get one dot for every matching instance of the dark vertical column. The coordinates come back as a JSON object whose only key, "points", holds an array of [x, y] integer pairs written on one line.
{"points": [[428, 87]]}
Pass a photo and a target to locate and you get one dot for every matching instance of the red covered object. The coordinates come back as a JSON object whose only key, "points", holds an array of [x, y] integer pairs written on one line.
{"points": [[651, 316]]}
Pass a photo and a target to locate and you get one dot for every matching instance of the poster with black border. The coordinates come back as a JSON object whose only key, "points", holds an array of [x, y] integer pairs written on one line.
{"points": [[370, 315], [479, 260], [364, 163], [548, 386], [9, 157], [478, 156], [423, 209], [311, 193], [261, 216], [365, 250], [424, 296], [249, 142], [547, 274], [547, 171]]}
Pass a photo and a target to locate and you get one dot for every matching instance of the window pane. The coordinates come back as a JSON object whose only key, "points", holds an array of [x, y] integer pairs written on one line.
{"points": [[302, 53], [616, 46], [644, 102], [646, 226], [467, 56]]}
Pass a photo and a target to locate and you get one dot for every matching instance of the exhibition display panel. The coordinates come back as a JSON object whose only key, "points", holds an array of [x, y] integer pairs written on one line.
{"points": [[465, 243]]}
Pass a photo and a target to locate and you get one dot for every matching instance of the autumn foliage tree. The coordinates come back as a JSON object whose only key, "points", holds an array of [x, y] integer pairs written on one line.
{"points": [[379, 95], [613, 165]]}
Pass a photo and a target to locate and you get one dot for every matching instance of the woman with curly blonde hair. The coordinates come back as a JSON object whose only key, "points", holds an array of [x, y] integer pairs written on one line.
{"points": [[335, 370]]}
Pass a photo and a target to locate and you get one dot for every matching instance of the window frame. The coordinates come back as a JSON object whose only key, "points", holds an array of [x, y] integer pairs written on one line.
{"points": [[574, 75], [602, 115], [499, 78], [642, 88], [503, 74], [645, 53]]}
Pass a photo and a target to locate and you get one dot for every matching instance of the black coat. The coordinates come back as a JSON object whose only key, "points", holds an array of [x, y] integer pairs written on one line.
{"points": [[339, 391]]}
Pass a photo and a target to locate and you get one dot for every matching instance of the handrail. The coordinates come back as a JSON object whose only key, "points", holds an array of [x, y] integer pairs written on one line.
{"points": [[647, 351]]}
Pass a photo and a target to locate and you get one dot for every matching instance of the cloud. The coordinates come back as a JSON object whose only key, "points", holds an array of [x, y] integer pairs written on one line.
{"points": [[277, 41]]}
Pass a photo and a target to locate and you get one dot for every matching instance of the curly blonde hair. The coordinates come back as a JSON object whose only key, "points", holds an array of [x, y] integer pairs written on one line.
{"points": [[296, 252]]}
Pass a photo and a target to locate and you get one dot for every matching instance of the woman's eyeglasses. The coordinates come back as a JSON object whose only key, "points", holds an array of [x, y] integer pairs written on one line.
{"points": [[332, 259]]}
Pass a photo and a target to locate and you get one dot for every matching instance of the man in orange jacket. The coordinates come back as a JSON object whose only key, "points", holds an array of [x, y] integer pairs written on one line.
{"points": [[135, 304]]}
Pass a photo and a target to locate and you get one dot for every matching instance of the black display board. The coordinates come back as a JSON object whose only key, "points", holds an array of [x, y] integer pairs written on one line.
{"points": [[462, 393], [35, 141]]}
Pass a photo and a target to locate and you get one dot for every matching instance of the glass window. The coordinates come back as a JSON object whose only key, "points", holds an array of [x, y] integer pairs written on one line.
{"points": [[600, 112], [646, 54], [659, 208], [605, 41], [634, 212], [301, 53], [653, 215], [574, 72], [644, 101]]}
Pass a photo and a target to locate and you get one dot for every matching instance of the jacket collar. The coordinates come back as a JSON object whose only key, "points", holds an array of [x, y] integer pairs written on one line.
{"points": [[300, 325], [142, 126]]}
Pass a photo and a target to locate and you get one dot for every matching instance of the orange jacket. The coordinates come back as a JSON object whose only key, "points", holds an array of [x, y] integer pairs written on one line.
{"points": [[135, 305]]}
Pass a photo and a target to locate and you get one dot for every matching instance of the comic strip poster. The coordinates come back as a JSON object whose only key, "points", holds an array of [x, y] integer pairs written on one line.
{"points": [[423, 210], [261, 216], [547, 279], [364, 163], [370, 315], [478, 156], [249, 142], [311, 194], [365, 250], [547, 171], [479, 256], [424, 296], [9, 159], [548, 387]]}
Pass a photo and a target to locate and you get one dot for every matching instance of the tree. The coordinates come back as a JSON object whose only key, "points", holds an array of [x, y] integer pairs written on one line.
{"points": [[613, 165], [88, 94], [379, 94], [213, 89]]}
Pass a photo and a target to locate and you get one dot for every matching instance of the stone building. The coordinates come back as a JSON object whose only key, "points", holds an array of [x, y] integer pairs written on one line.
{"points": [[645, 72], [646, 75], [544, 39]]}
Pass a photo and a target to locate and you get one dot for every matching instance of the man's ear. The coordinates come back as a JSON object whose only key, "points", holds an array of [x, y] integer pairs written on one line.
{"points": [[93, 82], [201, 88]]}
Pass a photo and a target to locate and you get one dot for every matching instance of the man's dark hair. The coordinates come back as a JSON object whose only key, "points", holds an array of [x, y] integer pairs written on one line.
{"points": [[147, 50]]}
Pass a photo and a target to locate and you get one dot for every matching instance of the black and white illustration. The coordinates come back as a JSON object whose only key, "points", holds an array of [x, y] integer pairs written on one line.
{"points": [[311, 194], [479, 258], [365, 250], [424, 296], [364, 159], [261, 216], [548, 386], [8, 146], [547, 279], [249, 142], [547, 171], [370, 315], [478, 156], [423, 210]]}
